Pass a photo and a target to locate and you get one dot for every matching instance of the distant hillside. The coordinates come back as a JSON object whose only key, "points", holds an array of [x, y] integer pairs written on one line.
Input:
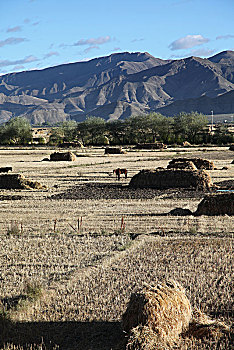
{"points": [[118, 86], [222, 104]]}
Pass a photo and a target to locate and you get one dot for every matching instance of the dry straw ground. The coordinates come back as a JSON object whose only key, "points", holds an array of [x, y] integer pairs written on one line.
{"points": [[74, 242]]}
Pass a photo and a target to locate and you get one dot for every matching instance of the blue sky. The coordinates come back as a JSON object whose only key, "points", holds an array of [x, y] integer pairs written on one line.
{"points": [[36, 34]]}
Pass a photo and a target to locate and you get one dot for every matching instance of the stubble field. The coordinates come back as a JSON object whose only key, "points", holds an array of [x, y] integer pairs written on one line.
{"points": [[88, 242]]}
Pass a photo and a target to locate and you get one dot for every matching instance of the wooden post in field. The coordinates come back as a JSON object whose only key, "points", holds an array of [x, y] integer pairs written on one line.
{"points": [[55, 222]]}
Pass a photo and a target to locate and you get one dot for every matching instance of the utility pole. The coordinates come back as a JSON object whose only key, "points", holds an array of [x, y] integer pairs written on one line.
{"points": [[212, 120]]}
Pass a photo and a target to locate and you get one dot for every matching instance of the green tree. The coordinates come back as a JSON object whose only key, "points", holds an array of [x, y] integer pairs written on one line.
{"points": [[117, 131], [68, 129], [222, 135], [160, 127], [188, 125], [92, 130], [65, 132], [56, 136], [16, 131], [149, 128], [138, 128]]}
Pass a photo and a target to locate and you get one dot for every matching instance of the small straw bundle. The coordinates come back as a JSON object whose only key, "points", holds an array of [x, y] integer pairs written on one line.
{"points": [[143, 338], [18, 181], [201, 326], [156, 315]]}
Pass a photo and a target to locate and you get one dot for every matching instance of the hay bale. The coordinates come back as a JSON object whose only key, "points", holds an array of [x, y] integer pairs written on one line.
{"points": [[180, 212], [156, 317], [114, 150], [29, 184], [5, 169], [216, 204], [231, 148], [62, 156], [202, 326], [200, 163], [187, 164], [164, 310], [187, 144], [170, 178], [18, 181], [144, 338], [225, 185]]}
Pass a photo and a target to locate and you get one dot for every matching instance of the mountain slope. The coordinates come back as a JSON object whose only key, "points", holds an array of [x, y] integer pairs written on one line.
{"points": [[115, 86], [223, 104]]}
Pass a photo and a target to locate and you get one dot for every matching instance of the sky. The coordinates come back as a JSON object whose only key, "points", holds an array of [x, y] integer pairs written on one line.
{"points": [[36, 34]]}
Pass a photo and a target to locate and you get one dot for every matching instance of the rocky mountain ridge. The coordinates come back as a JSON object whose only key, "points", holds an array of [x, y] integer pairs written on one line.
{"points": [[118, 86]]}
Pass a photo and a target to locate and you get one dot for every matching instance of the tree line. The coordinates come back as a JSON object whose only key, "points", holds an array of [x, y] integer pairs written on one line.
{"points": [[150, 128]]}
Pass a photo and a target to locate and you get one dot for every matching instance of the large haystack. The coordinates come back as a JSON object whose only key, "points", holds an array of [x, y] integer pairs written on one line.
{"points": [[114, 150], [164, 312], [199, 163], [216, 204], [170, 178], [187, 164], [18, 181], [62, 156]]}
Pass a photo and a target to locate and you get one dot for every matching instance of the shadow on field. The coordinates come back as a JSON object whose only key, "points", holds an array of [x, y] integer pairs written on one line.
{"points": [[63, 335], [96, 191]]}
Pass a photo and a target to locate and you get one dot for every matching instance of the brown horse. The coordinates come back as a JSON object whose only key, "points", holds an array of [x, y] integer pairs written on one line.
{"points": [[119, 171]]}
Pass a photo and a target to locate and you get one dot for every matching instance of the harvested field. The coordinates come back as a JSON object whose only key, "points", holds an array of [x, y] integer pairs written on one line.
{"points": [[89, 241], [113, 191], [55, 257], [93, 300]]}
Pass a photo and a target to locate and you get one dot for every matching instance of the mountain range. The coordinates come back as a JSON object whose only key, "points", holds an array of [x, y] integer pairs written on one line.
{"points": [[118, 86]]}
